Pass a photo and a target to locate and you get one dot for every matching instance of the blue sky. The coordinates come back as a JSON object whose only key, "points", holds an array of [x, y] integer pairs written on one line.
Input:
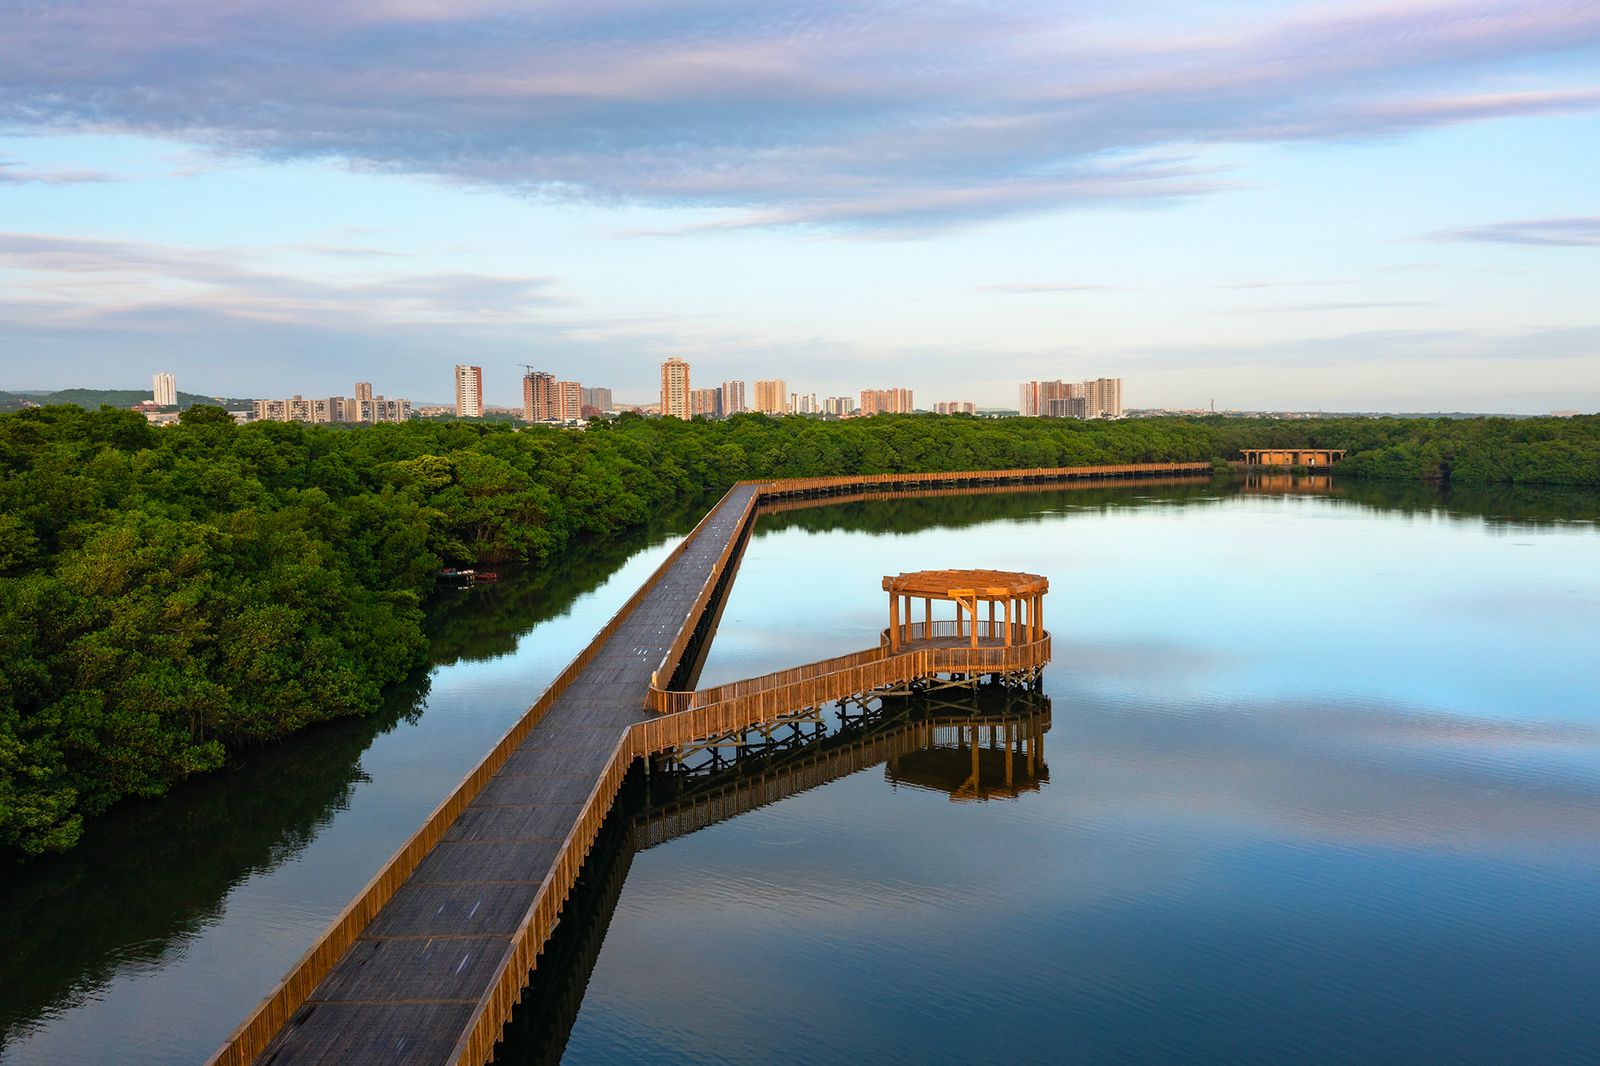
{"points": [[1379, 206]]}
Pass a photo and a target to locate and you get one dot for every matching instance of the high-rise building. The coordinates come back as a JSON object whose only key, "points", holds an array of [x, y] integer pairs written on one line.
{"points": [[568, 401], [359, 408], [770, 398], [733, 398], [599, 399], [469, 392], [886, 402], [164, 390], [955, 407], [705, 403], [1102, 398], [1037, 396], [838, 405], [675, 389], [539, 396]]}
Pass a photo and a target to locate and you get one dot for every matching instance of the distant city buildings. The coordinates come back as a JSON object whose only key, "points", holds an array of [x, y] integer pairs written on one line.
{"points": [[370, 410], [733, 398], [599, 399], [957, 407], [1100, 398], [770, 397], [544, 399], [164, 390], [469, 391], [838, 406], [675, 400], [886, 402]]}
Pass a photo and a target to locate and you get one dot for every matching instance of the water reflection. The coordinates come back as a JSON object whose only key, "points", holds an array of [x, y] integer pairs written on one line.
{"points": [[1229, 832], [986, 747], [151, 875]]}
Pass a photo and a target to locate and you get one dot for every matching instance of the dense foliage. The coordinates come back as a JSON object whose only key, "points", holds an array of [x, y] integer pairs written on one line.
{"points": [[169, 594]]}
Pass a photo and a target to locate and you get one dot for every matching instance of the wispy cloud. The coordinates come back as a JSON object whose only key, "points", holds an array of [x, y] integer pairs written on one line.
{"points": [[846, 115], [1028, 288], [14, 173], [1564, 232], [80, 279], [1349, 305]]}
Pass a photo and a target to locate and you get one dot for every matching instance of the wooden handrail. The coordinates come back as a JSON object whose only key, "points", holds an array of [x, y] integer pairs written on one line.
{"points": [[874, 669], [258, 1029]]}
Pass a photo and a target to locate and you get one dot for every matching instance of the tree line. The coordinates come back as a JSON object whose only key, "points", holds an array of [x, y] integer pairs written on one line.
{"points": [[170, 595]]}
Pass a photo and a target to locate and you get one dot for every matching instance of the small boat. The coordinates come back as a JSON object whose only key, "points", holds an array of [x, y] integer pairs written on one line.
{"points": [[488, 575]]}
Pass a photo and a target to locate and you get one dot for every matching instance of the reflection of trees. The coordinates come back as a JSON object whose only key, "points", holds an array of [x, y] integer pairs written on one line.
{"points": [[910, 513], [486, 620], [151, 873], [1496, 506]]}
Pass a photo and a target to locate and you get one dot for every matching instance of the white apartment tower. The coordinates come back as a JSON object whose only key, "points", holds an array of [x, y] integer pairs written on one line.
{"points": [[469, 392], [164, 389], [1103, 398]]}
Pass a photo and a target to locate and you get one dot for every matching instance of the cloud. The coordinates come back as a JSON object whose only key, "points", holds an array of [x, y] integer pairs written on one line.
{"points": [[1027, 288], [14, 173], [1561, 232], [78, 279], [1352, 305], [873, 115]]}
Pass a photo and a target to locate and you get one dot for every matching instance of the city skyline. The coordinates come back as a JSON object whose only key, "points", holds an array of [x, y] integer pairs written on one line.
{"points": [[1294, 206]]}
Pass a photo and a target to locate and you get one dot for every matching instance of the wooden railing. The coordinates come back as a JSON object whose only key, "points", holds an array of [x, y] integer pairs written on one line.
{"points": [[670, 730], [800, 485], [494, 1007], [669, 661], [759, 699], [257, 1030], [771, 505]]}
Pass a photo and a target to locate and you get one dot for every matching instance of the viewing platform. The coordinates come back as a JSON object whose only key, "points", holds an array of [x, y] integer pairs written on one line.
{"points": [[426, 964]]}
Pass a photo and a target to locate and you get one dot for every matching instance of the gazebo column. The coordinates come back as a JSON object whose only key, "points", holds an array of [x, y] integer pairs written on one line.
{"points": [[1009, 601], [894, 621], [927, 618]]}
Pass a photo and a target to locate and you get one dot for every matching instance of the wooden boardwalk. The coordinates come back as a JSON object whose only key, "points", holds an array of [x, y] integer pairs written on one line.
{"points": [[425, 965]]}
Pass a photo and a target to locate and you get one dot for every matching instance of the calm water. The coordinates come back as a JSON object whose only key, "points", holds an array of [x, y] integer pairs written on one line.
{"points": [[1323, 785]]}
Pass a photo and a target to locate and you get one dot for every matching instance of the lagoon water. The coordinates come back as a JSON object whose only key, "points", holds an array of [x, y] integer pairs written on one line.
{"points": [[1321, 784]]}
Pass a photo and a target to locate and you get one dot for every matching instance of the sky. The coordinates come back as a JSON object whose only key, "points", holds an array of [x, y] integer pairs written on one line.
{"points": [[1287, 206]]}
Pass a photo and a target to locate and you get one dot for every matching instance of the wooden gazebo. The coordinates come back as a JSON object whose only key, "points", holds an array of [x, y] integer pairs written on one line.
{"points": [[1015, 601]]}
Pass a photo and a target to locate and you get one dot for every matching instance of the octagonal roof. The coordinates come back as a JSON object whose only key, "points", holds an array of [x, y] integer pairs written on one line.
{"points": [[948, 584]]}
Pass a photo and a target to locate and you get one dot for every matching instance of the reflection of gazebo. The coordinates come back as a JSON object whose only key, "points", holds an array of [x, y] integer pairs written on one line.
{"points": [[953, 758], [1016, 598]]}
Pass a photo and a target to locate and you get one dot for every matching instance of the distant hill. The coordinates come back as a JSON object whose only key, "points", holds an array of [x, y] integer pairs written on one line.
{"points": [[91, 399]]}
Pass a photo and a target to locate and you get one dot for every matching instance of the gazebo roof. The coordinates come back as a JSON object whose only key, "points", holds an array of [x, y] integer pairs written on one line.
{"points": [[986, 584]]}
